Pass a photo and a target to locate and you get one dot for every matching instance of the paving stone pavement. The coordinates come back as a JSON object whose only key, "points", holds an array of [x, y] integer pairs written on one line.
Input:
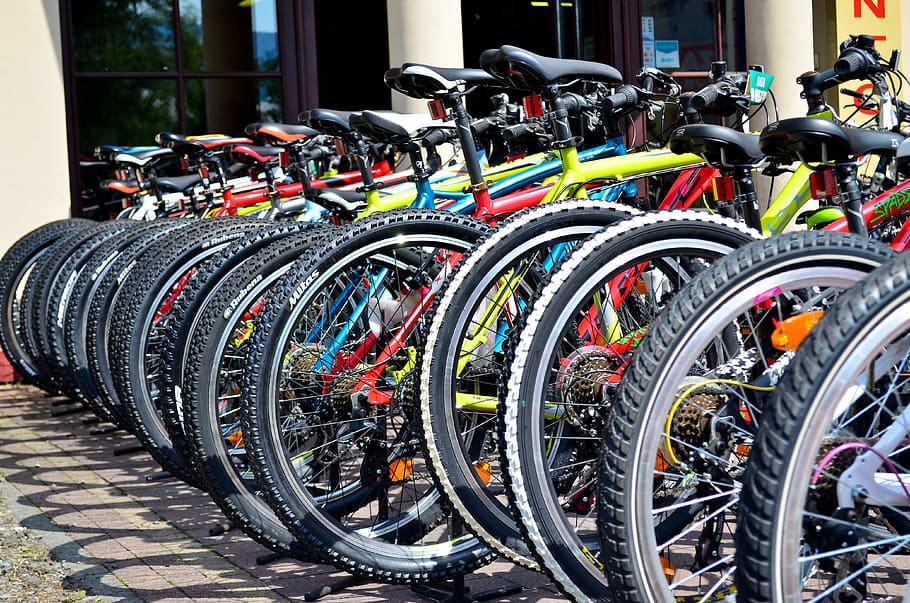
{"points": [[128, 539]]}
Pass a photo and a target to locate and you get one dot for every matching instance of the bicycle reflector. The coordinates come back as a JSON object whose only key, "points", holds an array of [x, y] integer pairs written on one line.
{"points": [[789, 333], [283, 159], [532, 105], [723, 188], [437, 108], [823, 184], [339, 147]]}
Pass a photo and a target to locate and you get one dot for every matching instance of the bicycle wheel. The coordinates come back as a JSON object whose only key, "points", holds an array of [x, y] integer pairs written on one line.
{"points": [[89, 308], [474, 313], [46, 309], [211, 384], [15, 267], [679, 434], [185, 316], [329, 415], [142, 317], [824, 501], [566, 364]]}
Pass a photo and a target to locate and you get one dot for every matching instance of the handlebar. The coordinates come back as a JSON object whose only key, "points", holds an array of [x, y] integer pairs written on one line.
{"points": [[854, 64], [705, 97], [627, 96], [521, 130], [438, 136]]}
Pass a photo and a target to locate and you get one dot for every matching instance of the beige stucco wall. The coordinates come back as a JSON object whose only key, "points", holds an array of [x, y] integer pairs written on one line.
{"points": [[34, 180]]}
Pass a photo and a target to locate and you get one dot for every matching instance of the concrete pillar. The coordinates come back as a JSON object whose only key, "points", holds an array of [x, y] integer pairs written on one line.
{"points": [[423, 31], [34, 178], [779, 36]]}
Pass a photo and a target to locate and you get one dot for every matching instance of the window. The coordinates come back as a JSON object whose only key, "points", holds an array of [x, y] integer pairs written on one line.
{"points": [[191, 66]]}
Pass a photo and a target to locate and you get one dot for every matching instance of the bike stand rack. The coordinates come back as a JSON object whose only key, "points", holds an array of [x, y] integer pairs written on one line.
{"points": [[158, 476], [104, 430], [269, 557], [221, 528], [455, 590], [338, 586], [128, 449], [70, 410]]}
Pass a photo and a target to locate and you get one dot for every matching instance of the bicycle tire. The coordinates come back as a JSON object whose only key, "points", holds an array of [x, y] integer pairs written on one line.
{"points": [[141, 317], [848, 349], [657, 438], [79, 329], [15, 267], [209, 391], [517, 244], [54, 285], [185, 317], [550, 465], [390, 541]]}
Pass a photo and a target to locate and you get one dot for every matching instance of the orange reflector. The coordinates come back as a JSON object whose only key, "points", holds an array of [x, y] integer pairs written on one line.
{"points": [[743, 449], [482, 468], [641, 287], [791, 332], [401, 469], [236, 439], [661, 465], [669, 570], [823, 184], [723, 188]]}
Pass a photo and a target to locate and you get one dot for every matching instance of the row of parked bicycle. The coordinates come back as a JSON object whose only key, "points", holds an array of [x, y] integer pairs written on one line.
{"points": [[518, 350]]}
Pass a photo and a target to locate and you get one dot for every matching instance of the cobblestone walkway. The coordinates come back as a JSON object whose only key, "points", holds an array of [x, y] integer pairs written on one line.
{"points": [[124, 538]]}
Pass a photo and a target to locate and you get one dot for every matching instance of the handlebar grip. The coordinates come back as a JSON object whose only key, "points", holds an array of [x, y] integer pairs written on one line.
{"points": [[437, 137], [315, 153], [575, 103], [853, 63], [626, 96], [705, 97], [516, 132]]}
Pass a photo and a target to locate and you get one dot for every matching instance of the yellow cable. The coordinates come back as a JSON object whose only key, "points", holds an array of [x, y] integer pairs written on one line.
{"points": [[686, 393]]}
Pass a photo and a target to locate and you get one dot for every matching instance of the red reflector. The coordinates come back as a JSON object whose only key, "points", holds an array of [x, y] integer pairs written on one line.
{"points": [[532, 105], [823, 184], [437, 109], [339, 148], [204, 172], [283, 159], [184, 164], [723, 188]]}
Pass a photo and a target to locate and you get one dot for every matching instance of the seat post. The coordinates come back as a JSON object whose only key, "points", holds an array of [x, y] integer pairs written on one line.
{"points": [[853, 198], [746, 198]]}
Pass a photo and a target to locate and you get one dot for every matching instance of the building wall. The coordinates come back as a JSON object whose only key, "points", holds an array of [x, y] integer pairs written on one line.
{"points": [[34, 181]]}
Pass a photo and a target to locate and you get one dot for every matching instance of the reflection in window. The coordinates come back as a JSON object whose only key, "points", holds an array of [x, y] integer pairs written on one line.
{"points": [[227, 105], [124, 111], [229, 36], [123, 35]]}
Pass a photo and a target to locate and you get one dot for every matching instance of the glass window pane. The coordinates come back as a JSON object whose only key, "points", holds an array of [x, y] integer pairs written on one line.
{"points": [[124, 111], [123, 35], [226, 106], [229, 36], [684, 33]]}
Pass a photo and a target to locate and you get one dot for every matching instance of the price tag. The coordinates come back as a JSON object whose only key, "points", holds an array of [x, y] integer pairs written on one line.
{"points": [[759, 84]]}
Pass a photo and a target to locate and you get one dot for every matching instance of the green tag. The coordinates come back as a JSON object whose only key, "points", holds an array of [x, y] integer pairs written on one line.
{"points": [[759, 84]]}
